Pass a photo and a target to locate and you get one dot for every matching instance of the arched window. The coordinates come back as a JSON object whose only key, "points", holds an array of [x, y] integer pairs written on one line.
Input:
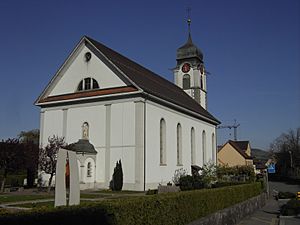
{"points": [[201, 82], [186, 82], [204, 146], [213, 142], [87, 84], [179, 145], [193, 146], [162, 137], [89, 169]]}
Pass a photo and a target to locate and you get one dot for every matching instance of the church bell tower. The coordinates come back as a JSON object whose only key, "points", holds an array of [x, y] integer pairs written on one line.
{"points": [[189, 73]]}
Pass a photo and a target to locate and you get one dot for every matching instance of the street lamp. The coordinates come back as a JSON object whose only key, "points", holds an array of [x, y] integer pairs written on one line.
{"points": [[291, 159]]}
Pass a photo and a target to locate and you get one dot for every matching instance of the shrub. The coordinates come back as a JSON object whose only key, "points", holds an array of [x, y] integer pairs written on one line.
{"points": [[209, 175], [152, 192], [189, 182], [166, 209], [235, 173], [186, 183], [291, 208], [117, 178], [286, 195], [177, 175]]}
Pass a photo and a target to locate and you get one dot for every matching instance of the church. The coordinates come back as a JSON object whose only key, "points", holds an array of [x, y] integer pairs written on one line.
{"points": [[109, 108]]}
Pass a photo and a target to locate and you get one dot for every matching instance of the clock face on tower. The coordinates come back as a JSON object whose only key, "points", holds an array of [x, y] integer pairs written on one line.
{"points": [[186, 68]]}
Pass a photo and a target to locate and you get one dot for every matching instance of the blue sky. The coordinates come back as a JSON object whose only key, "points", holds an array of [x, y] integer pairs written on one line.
{"points": [[251, 48]]}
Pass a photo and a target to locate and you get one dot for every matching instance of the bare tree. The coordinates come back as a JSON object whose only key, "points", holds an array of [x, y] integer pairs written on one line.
{"points": [[48, 156], [287, 142], [286, 149]]}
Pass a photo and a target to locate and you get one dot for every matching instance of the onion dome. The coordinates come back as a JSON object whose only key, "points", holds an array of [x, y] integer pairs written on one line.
{"points": [[189, 50]]}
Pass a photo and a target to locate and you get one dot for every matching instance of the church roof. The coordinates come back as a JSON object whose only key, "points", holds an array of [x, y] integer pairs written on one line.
{"points": [[152, 83], [139, 81], [189, 50], [82, 146]]}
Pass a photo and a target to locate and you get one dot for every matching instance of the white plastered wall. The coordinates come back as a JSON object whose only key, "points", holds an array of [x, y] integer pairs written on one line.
{"points": [[59, 120], [122, 141], [156, 173], [77, 69]]}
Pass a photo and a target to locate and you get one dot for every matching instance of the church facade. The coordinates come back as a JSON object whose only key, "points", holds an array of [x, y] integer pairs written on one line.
{"points": [[109, 108]]}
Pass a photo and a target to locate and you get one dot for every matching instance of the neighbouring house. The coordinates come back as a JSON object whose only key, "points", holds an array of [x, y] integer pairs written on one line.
{"points": [[108, 107], [261, 160], [235, 153]]}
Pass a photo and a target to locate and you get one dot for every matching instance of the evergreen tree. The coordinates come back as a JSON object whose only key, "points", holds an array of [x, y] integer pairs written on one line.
{"points": [[117, 179]]}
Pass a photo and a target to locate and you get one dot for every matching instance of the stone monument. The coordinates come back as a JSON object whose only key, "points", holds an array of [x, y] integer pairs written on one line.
{"points": [[66, 177]]}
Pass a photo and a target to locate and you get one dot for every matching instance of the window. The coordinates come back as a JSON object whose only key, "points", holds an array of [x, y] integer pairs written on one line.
{"points": [[179, 145], [162, 134], [87, 84], [201, 82], [186, 82], [193, 146], [95, 84], [80, 86], [204, 146], [213, 147], [89, 169]]}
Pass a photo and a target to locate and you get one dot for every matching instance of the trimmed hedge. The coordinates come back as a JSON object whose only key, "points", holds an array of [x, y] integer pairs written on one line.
{"points": [[166, 209], [291, 208]]}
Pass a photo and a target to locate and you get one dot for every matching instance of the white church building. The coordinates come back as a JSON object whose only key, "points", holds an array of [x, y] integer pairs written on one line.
{"points": [[110, 108]]}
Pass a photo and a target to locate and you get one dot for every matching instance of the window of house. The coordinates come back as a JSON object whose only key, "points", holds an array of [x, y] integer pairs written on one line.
{"points": [[162, 134], [87, 84], [179, 145], [89, 169], [204, 146], [193, 146], [186, 82]]}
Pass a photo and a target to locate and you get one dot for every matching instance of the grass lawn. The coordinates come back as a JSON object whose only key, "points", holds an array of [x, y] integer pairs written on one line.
{"points": [[19, 198], [118, 192], [46, 204], [91, 196]]}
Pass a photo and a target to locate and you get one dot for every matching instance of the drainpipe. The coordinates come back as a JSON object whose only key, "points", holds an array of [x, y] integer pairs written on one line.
{"points": [[145, 145]]}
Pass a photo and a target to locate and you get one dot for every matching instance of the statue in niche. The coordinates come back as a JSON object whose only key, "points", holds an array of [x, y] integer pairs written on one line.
{"points": [[85, 131]]}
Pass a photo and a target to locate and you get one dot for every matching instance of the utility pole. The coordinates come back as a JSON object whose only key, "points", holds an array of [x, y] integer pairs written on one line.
{"points": [[234, 126]]}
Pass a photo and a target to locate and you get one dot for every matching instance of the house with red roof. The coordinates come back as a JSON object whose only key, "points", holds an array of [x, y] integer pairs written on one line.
{"points": [[235, 153]]}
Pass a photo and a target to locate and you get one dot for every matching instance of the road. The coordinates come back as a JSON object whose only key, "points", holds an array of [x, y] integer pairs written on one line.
{"points": [[268, 215]]}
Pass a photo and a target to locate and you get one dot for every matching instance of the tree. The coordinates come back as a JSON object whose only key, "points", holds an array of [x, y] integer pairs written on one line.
{"points": [[30, 136], [117, 178], [48, 156], [285, 148], [30, 140], [287, 142], [11, 158]]}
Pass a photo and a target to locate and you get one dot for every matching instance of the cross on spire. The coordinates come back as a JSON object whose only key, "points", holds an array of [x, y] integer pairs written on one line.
{"points": [[188, 10]]}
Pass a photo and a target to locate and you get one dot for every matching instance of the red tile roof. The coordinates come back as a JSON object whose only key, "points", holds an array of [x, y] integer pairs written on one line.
{"points": [[91, 93]]}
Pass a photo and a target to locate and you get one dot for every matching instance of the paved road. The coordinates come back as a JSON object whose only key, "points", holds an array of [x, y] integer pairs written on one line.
{"points": [[268, 215]]}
